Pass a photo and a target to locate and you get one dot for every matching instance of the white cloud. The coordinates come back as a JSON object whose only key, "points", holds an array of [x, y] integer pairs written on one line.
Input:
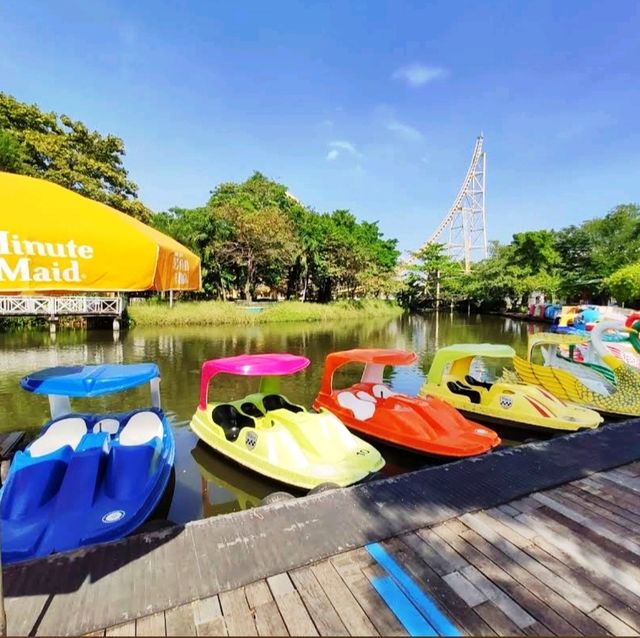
{"points": [[404, 130], [418, 74], [344, 146], [337, 146]]}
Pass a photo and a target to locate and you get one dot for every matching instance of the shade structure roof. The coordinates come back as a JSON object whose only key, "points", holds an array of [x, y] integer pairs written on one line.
{"points": [[383, 356], [55, 240], [250, 365], [89, 381]]}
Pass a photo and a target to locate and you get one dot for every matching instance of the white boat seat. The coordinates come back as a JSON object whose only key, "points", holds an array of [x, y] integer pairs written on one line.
{"points": [[141, 428], [110, 426], [362, 410], [365, 396], [67, 431], [382, 391]]}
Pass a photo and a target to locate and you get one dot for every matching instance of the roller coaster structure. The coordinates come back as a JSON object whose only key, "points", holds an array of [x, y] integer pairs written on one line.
{"points": [[466, 220]]}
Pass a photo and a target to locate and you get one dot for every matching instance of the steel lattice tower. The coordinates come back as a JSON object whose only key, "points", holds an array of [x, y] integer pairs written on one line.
{"points": [[466, 219]]}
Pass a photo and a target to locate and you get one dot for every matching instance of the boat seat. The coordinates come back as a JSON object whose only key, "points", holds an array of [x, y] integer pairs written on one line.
{"points": [[252, 409], [278, 402], [362, 410], [480, 384], [141, 428], [382, 391], [67, 431], [459, 388], [365, 396], [231, 420], [109, 425]]}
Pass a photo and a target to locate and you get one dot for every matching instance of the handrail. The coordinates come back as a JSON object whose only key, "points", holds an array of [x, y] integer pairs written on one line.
{"points": [[15, 305]]}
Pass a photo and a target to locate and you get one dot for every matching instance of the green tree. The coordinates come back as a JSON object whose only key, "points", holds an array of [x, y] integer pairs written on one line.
{"points": [[535, 251], [11, 153], [433, 278], [624, 284], [255, 236], [66, 152]]}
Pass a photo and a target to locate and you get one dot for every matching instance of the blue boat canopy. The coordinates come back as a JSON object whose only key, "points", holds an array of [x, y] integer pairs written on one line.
{"points": [[89, 381]]}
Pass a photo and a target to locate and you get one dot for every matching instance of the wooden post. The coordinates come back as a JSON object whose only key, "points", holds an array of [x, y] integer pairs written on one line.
{"points": [[171, 299]]}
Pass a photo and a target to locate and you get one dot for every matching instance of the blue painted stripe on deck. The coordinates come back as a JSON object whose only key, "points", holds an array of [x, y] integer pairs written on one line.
{"points": [[403, 609], [427, 607]]}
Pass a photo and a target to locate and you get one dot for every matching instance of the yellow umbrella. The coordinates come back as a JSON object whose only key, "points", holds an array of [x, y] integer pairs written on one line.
{"points": [[55, 240]]}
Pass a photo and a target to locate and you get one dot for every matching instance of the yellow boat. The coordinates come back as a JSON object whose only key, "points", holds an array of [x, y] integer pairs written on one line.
{"points": [[583, 384], [499, 403], [269, 434]]}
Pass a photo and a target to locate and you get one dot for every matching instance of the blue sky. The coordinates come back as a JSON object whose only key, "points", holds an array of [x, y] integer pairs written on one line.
{"points": [[372, 106]]}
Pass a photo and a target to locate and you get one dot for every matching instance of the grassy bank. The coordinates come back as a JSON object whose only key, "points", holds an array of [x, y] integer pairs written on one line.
{"points": [[221, 312]]}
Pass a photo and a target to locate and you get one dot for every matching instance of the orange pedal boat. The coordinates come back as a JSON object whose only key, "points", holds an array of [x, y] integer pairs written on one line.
{"points": [[422, 424]]}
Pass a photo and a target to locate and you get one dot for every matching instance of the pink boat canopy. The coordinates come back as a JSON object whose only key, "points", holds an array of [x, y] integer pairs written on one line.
{"points": [[250, 365]]}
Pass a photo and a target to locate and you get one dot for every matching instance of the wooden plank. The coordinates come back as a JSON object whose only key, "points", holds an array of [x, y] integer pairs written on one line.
{"points": [[588, 554], [153, 625], [258, 593], [179, 621], [567, 611], [610, 491], [207, 616], [347, 607], [497, 620], [611, 623], [508, 510], [125, 629], [237, 615], [525, 505], [465, 589], [631, 483], [291, 608], [500, 575], [434, 551], [324, 616], [588, 503], [600, 589], [516, 614], [495, 533], [609, 498], [600, 527], [265, 611], [630, 561], [433, 585], [350, 566], [597, 497]]}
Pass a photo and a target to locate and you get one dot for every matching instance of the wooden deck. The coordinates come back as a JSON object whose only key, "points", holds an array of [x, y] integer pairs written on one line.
{"points": [[539, 539], [562, 562]]}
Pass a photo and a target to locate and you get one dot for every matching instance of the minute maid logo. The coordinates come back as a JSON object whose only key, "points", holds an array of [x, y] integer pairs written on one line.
{"points": [[19, 256], [180, 270]]}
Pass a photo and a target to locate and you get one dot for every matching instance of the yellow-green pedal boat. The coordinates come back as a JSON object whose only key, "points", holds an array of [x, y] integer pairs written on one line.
{"points": [[268, 434]]}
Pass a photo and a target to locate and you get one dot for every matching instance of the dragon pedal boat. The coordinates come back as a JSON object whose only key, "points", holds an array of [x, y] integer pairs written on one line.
{"points": [[269, 434], [499, 403], [424, 425], [87, 478], [610, 386]]}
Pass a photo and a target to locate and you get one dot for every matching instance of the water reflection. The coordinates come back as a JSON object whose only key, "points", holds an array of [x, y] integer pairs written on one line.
{"points": [[206, 483]]}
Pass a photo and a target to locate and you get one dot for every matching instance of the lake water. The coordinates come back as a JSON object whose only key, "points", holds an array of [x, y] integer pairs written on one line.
{"points": [[206, 483]]}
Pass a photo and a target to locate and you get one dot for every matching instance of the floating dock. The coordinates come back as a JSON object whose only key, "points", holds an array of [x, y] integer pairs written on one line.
{"points": [[540, 539]]}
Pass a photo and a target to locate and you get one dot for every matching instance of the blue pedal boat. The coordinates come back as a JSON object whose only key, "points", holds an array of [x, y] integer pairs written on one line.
{"points": [[87, 478]]}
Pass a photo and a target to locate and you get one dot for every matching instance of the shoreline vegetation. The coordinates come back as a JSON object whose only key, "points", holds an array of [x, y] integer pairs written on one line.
{"points": [[200, 313]]}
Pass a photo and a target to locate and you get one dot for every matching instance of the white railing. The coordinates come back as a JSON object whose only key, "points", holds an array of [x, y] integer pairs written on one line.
{"points": [[56, 306]]}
